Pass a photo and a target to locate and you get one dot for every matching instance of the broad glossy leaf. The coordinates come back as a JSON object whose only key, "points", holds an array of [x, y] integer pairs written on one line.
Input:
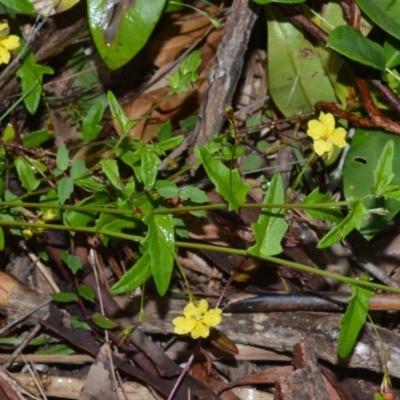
{"points": [[161, 241], [228, 182], [341, 230], [271, 225], [297, 78], [358, 175], [385, 13], [121, 28], [350, 42], [21, 6], [354, 318], [135, 276]]}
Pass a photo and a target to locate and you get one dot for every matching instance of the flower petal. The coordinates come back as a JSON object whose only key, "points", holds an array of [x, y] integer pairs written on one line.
{"points": [[323, 146], [190, 311], [203, 306], [183, 325], [212, 317], [328, 121], [4, 27], [200, 330], [4, 55], [11, 42], [315, 129], [338, 137]]}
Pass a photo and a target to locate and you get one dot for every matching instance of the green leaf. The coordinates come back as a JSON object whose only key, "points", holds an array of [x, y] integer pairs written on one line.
{"points": [[350, 42], [20, 6], [296, 76], [148, 167], [117, 112], [65, 186], [252, 162], [340, 231], [111, 171], [167, 189], [76, 324], [73, 262], [161, 242], [358, 176], [186, 74], [64, 297], [134, 277], [170, 143], [36, 138], [87, 293], [385, 13], [331, 214], [121, 29], [26, 174], [103, 322], [279, 1], [81, 177], [81, 218], [271, 225], [1, 237], [165, 131], [227, 182], [58, 349], [62, 158], [354, 318], [31, 75], [91, 122], [194, 194], [384, 169], [391, 47]]}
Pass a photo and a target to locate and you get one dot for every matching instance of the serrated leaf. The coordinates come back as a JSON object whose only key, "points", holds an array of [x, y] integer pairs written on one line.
{"points": [[354, 318], [134, 277], [65, 186], [340, 231], [384, 169], [26, 174], [331, 214], [161, 241], [228, 183], [87, 293], [90, 124], [104, 322], [350, 42], [62, 158], [167, 189], [194, 194], [31, 75], [121, 29], [73, 262], [64, 297], [271, 225], [385, 13], [111, 171]]}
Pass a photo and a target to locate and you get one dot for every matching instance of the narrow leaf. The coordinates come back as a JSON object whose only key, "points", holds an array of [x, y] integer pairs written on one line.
{"points": [[64, 297], [271, 225], [161, 242], [384, 169], [103, 322], [228, 182], [340, 231], [354, 318], [62, 158], [134, 277]]}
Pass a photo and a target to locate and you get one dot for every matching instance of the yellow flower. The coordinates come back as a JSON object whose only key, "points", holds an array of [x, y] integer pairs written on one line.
{"points": [[197, 320], [325, 135], [7, 43]]}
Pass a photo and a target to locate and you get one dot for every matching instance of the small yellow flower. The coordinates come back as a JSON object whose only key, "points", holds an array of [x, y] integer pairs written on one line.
{"points": [[325, 135], [197, 320], [7, 43]]}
